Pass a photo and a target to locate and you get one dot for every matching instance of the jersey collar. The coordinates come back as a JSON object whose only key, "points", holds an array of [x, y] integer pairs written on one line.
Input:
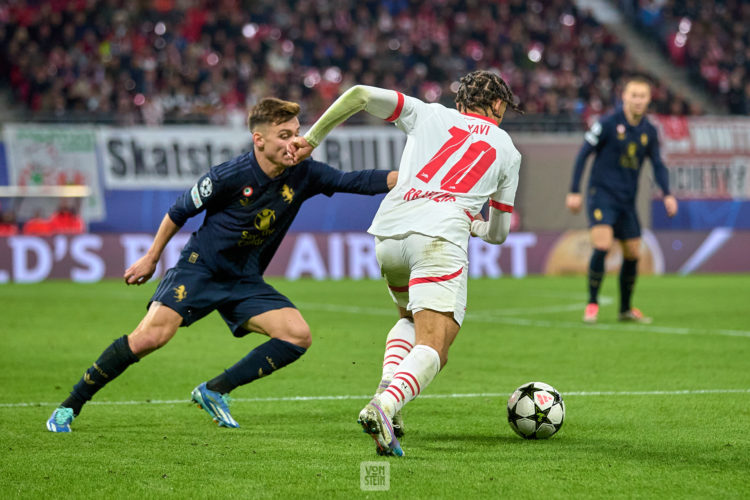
{"points": [[481, 117]]}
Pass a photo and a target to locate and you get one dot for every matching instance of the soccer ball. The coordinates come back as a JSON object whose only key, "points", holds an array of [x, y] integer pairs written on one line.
{"points": [[536, 410]]}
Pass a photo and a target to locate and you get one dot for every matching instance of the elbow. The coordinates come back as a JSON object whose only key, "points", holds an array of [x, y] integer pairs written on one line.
{"points": [[497, 239], [358, 95]]}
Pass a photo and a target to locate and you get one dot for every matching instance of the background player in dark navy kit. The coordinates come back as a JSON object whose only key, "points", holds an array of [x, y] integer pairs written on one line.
{"points": [[621, 141], [250, 202]]}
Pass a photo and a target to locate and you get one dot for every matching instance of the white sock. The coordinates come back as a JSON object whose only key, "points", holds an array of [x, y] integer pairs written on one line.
{"points": [[414, 374], [398, 344]]}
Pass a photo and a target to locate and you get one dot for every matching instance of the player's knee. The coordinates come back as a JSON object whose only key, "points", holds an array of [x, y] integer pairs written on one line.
{"points": [[299, 336], [144, 341], [631, 253]]}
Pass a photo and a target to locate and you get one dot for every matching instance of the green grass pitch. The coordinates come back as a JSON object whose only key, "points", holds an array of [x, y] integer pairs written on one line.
{"points": [[653, 411]]}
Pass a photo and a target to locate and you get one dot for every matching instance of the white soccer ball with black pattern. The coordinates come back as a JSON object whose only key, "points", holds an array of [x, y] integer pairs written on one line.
{"points": [[536, 410]]}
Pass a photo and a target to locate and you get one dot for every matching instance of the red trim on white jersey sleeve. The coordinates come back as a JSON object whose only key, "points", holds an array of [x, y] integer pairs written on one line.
{"points": [[501, 206], [399, 107]]}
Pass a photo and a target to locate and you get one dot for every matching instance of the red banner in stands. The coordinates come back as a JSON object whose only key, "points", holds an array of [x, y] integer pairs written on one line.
{"points": [[708, 158]]}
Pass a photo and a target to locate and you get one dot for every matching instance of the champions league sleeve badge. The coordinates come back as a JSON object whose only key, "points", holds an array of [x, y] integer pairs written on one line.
{"points": [[206, 188]]}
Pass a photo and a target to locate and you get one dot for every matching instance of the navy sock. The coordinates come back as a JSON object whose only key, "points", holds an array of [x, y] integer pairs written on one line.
{"points": [[628, 273], [261, 361], [110, 364], [596, 274]]}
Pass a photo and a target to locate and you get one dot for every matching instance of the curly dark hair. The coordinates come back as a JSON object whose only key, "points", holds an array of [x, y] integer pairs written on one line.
{"points": [[271, 110], [481, 89]]}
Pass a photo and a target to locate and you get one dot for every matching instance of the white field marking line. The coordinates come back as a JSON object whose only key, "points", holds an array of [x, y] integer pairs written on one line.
{"points": [[498, 317], [605, 301], [668, 330], [686, 392], [521, 310]]}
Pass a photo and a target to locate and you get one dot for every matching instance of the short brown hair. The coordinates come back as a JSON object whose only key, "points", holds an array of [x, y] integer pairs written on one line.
{"points": [[271, 110], [481, 89], [637, 79]]}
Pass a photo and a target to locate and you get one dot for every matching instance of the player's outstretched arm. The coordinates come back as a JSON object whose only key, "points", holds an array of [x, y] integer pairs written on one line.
{"points": [[376, 101], [142, 269]]}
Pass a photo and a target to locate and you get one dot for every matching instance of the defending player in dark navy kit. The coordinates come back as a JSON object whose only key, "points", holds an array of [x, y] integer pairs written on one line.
{"points": [[621, 142], [249, 204]]}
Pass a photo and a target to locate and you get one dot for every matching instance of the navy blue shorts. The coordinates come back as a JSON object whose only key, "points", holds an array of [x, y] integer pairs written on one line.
{"points": [[602, 209], [194, 292]]}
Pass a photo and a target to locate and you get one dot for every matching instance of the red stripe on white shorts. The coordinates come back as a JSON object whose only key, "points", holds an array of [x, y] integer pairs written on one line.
{"points": [[435, 279]]}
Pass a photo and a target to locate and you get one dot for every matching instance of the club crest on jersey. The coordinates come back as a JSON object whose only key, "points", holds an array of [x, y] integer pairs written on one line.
{"points": [[644, 139], [620, 131], [287, 193]]}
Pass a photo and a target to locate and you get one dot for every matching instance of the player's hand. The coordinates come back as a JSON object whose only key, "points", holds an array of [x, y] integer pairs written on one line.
{"points": [[574, 201], [141, 271], [392, 179], [670, 205], [300, 149], [476, 217]]}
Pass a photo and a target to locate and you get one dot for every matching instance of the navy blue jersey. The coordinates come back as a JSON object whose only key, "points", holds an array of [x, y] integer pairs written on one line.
{"points": [[620, 150], [248, 213]]}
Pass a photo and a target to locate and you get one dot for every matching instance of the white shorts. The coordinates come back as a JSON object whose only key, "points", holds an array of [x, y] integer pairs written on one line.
{"points": [[423, 272]]}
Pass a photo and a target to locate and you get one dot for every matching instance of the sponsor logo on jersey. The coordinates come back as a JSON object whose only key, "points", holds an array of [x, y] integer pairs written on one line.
{"points": [[437, 196], [263, 222], [630, 158], [264, 219], [287, 193], [180, 293]]}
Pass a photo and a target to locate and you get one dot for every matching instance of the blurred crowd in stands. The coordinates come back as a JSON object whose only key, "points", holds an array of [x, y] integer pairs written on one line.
{"points": [[64, 220], [207, 61], [710, 38]]}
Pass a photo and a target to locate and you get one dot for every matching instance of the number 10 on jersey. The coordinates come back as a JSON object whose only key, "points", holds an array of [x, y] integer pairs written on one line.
{"points": [[467, 170]]}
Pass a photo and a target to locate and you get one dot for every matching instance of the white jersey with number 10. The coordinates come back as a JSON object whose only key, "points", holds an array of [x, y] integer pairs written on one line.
{"points": [[451, 165]]}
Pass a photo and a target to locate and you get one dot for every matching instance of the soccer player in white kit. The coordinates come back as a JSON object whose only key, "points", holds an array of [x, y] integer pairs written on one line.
{"points": [[453, 162]]}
